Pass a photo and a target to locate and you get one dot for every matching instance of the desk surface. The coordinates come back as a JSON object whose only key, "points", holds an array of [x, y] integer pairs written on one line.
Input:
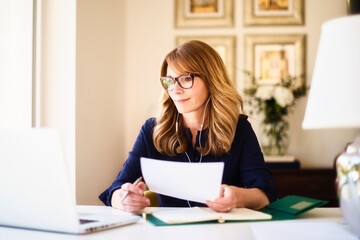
{"points": [[308, 223]]}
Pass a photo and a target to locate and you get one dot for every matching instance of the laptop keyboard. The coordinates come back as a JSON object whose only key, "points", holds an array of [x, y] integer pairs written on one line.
{"points": [[84, 221]]}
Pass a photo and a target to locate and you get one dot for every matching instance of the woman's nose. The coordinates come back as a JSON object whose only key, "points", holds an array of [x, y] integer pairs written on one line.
{"points": [[177, 87]]}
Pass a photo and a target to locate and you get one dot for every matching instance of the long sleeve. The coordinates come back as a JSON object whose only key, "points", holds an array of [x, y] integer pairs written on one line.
{"points": [[253, 170]]}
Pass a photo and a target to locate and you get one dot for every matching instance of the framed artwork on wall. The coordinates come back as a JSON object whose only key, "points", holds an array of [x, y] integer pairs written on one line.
{"points": [[224, 45], [273, 12], [204, 13], [272, 58]]}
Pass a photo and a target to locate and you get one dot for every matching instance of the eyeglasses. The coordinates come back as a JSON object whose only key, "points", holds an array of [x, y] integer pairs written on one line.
{"points": [[185, 81]]}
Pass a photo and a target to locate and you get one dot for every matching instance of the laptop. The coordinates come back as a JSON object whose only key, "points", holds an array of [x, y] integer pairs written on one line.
{"points": [[35, 189]]}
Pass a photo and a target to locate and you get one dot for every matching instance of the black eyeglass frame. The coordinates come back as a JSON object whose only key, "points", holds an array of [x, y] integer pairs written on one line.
{"points": [[176, 79]]}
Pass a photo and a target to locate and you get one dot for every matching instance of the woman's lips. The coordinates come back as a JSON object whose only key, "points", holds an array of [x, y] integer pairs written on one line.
{"points": [[181, 100]]}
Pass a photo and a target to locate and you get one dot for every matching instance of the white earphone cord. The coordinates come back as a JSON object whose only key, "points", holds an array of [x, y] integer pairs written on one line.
{"points": [[201, 128]]}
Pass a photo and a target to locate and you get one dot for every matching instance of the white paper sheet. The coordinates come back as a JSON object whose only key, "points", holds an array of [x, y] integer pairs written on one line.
{"points": [[196, 182]]}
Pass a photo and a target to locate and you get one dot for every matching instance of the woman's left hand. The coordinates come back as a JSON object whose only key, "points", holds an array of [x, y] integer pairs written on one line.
{"points": [[234, 197], [226, 201]]}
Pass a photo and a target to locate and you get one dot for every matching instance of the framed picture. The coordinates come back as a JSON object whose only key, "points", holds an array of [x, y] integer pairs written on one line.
{"points": [[204, 13], [273, 12], [271, 58], [224, 45]]}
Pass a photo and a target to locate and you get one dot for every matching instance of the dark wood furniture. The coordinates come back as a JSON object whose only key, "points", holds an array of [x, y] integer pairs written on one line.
{"points": [[308, 182]]}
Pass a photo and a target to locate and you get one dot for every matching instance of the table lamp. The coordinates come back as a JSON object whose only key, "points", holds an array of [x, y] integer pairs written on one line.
{"points": [[334, 102]]}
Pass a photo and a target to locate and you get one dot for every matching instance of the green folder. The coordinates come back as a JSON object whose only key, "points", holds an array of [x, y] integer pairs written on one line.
{"points": [[289, 207]]}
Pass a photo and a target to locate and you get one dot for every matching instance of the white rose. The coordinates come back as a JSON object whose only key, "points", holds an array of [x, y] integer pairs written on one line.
{"points": [[265, 92], [283, 96]]}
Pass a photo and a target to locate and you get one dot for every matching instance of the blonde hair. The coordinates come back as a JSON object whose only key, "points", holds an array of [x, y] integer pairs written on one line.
{"points": [[225, 104]]}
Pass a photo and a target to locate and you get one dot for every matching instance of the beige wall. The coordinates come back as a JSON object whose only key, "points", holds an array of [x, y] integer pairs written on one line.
{"points": [[120, 45], [100, 95]]}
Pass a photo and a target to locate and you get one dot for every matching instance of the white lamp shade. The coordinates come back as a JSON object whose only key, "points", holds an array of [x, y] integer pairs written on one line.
{"points": [[334, 95]]}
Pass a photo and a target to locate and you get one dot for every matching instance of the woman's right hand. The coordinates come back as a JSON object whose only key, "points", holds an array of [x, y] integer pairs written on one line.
{"points": [[135, 199]]}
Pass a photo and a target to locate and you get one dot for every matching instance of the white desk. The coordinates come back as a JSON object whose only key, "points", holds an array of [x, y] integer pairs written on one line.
{"points": [[145, 230]]}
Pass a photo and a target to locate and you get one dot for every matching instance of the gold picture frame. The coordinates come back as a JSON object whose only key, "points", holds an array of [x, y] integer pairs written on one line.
{"points": [[267, 12], [271, 58], [224, 45], [200, 13]]}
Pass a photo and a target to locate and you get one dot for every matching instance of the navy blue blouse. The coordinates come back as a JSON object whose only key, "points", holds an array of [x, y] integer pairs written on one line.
{"points": [[244, 165]]}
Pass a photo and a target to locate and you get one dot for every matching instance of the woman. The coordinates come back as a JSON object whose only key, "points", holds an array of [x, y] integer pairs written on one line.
{"points": [[200, 121]]}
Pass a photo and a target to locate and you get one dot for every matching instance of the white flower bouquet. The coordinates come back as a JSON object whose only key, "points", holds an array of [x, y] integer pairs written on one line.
{"points": [[282, 95], [274, 102]]}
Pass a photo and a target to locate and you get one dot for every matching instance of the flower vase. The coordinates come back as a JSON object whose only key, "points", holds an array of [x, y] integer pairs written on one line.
{"points": [[275, 138]]}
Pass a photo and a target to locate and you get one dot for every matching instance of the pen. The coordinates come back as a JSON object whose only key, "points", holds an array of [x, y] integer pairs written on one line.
{"points": [[135, 183]]}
